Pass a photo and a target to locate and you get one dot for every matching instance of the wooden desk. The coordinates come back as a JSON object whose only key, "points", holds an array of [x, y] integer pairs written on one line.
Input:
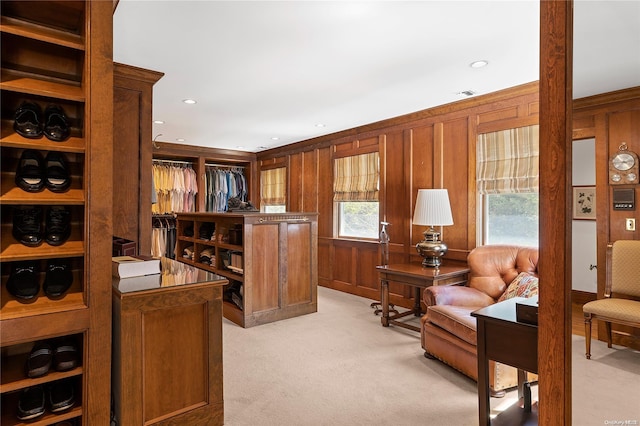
{"points": [[167, 347], [418, 276], [503, 339]]}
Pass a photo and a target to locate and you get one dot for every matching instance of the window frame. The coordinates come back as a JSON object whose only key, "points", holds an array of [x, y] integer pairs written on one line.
{"points": [[337, 205]]}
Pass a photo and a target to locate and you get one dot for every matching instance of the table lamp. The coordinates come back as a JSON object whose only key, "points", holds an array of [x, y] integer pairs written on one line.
{"points": [[432, 209]]}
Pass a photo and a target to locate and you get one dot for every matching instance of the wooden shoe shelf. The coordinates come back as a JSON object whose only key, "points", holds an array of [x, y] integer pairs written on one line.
{"points": [[59, 53]]}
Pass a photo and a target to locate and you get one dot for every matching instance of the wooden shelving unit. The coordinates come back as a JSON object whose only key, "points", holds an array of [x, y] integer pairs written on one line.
{"points": [[279, 274], [59, 52]]}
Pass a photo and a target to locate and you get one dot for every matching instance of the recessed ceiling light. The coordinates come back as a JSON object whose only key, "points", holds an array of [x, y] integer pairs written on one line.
{"points": [[239, 147], [319, 125], [275, 138], [158, 122], [189, 101], [479, 64], [180, 139]]}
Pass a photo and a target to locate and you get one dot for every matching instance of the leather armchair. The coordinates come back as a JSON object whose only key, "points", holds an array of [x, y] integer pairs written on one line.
{"points": [[448, 331]]}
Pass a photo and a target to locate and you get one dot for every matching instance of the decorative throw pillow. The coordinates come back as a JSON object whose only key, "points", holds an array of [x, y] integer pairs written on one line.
{"points": [[524, 285]]}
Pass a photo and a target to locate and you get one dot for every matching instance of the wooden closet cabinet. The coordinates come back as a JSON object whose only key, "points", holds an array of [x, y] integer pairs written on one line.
{"points": [[270, 261], [132, 152], [167, 346], [59, 53]]}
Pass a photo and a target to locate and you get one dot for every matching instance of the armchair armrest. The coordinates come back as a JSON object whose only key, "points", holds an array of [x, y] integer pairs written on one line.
{"points": [[456, 295]]}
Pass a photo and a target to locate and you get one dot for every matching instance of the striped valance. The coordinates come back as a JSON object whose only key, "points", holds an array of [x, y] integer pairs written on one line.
{"points": [[356, 178], [273, 187], [508, 161]]}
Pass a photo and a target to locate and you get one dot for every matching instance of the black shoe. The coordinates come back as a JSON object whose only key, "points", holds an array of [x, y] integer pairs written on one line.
{"points": [[40, 360], [30, 172], [58, 225], [31, 403], [65, 355], [56, 126], [27, 120], [23, 281], [27, 225], [61, 395], [58, 179], [58, 278]]}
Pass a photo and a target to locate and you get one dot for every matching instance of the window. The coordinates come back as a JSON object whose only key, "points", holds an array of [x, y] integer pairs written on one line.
{"points": [[355, 192], [507, 178], [511, 219], [358, 219], [273, 190]]}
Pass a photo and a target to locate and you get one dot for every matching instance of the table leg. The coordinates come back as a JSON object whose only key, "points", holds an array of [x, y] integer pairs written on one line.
{"points": [[522, 378], [483, 376], [384, 287], [417, 308]]}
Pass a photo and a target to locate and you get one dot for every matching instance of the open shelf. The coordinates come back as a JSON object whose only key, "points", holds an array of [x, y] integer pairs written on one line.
{"points": [[38, 32], [58, 53]]}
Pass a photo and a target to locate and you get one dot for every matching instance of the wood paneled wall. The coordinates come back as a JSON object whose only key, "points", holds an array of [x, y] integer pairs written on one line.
{"points": [[433, 148], [611, 119]]}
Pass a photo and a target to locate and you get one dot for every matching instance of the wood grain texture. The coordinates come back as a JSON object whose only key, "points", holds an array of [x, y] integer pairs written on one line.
{"points": [[556, 39], [133, 98], [168, 355], [280, 257], [99, 131]]}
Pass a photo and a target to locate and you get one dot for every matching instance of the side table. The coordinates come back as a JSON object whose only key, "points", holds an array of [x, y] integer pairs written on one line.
{"points": [[415, 275], [503, 339]]}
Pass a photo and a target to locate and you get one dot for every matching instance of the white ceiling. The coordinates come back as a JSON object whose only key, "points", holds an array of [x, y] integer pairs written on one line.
{"points": [[265, 69]]}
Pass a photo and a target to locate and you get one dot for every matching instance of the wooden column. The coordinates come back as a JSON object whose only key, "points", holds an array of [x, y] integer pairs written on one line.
{"points": [[556, 43], [132, 153]]}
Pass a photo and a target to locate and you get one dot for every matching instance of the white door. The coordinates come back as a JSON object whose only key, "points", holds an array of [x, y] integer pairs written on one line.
{"points": [[584, 240]]}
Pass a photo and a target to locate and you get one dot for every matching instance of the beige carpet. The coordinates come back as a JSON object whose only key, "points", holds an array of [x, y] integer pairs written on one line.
{"points": [[339, 366]]}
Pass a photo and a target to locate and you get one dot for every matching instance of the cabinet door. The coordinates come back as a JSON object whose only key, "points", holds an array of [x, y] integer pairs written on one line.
{"points": [[298, 264], [264, 285]]}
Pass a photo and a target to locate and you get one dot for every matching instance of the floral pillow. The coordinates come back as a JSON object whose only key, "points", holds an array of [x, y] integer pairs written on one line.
{"points": [[524, 285]]}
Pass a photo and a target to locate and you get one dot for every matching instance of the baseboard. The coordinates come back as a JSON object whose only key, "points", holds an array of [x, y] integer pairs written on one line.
{"points": [[581, 297]]}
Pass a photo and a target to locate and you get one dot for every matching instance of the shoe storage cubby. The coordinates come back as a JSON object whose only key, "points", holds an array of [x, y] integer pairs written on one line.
{"points": [[269, 260], [53, 358], [55, 142]]}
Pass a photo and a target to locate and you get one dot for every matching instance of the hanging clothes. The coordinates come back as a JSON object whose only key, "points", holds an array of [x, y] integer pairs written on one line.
{"points": [[223, 183], [175, 186], [163, 236]]}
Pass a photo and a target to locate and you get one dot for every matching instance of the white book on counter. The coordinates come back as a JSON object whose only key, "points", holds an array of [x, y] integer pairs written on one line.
{"points": [[134, 266], [144, 282]]}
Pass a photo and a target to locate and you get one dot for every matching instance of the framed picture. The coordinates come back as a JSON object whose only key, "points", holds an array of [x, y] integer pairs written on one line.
{"points": [[584, 202]]}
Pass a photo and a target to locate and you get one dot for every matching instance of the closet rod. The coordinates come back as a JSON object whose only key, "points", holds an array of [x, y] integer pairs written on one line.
{"points": [[157, 160], [230, 166]]}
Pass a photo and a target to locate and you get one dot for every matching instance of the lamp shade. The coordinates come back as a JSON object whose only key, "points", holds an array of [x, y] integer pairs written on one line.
{"points": [[433, 208]]}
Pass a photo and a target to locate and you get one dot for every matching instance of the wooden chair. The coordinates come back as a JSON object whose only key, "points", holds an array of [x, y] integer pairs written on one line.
{"points": [[622, 285]]}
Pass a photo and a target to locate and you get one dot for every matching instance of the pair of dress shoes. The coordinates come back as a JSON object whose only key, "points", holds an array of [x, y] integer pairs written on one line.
{"points": [[29, 122], [24, 284], [34, 172], [28, 229], [59, 396], [59, 355]]}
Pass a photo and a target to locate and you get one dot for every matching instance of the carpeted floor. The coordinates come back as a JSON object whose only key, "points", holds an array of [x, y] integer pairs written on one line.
{"points": [[339, 366]]}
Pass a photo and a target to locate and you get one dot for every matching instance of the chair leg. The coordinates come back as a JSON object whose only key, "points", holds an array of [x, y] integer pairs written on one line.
{"points": [[607, 326], [587, 334]]}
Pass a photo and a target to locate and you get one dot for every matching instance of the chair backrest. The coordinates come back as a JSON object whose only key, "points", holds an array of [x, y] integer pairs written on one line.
{"points": [[623, 269], [493, 267]]}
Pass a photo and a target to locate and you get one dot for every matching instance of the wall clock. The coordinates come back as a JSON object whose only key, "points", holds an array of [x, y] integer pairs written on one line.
{"points": [[623, 167]]}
